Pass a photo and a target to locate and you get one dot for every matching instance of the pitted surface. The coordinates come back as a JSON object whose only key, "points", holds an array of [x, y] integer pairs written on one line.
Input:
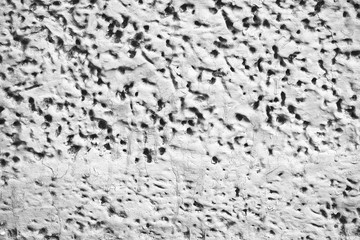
{"points": [[127, 119]]}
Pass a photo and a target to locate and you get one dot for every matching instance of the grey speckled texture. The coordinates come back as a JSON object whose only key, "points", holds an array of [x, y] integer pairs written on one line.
{"points": [[139, 119]]}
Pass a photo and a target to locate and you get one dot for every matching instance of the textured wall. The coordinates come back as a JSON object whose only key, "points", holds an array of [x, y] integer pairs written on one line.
{"points": [[151, 119]]}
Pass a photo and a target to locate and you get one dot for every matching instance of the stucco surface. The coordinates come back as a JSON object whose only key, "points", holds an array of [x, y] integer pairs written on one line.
{"points": [[138, 119]]}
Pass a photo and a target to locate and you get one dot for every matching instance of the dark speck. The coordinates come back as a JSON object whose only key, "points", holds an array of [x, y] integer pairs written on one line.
{"points": [[147, 153], [189, 131], [215, 160], [102, 124], [162, 150], [107, 146], [237, 191], [48, 118], [3, 162], [252, 49], [241, 117], [16, 159], [291, 109], [343, 220], [282, 118]]}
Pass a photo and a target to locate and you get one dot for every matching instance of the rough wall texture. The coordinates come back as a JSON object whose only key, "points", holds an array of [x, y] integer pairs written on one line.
{"points": [[150, 119]]}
